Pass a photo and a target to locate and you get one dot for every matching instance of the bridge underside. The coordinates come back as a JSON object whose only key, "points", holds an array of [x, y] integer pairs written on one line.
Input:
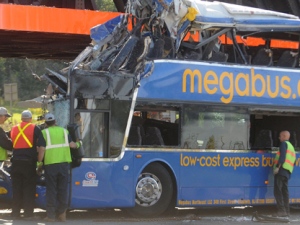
{"points": [[39, 45], [62, 33], [28, 31]]}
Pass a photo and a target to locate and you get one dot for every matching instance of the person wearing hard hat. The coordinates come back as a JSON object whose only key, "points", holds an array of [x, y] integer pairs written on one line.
{"points": [[5, 141], [26, 137], [56, 158]]}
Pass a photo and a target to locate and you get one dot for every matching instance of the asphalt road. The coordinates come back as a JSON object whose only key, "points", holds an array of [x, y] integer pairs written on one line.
{"points": [[204, 216]]}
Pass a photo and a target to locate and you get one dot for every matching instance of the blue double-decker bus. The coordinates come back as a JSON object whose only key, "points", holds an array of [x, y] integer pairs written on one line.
{"points": [[181, 108]]}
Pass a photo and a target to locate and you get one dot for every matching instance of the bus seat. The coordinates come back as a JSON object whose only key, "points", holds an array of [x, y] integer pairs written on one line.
{"points": [[135, 137], [219, 57], [288, 59], [293, 139], [153, 137], [263, 140], [263, 57], [275, 136], [136, 121], [142, 132]]}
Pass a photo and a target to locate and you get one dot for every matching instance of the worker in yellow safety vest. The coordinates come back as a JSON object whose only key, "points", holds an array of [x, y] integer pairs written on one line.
{"points": [[5, 141], [26, 137], [56, 158], [283, 167]]}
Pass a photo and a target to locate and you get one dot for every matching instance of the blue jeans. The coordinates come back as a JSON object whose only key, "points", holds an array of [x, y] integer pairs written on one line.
{"points": [[57, 188]]}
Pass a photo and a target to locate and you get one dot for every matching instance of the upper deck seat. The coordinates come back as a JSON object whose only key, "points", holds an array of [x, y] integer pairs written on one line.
{"points": [[212, 53], [218, 57], [263, 57], [288, 59]]}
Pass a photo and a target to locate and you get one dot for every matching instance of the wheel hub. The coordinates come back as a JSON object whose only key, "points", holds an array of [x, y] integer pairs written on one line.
{"points": [[148, 189]]}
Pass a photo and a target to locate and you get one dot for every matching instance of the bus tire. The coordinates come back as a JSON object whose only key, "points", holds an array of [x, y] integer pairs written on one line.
{"points": [[153, 192]]}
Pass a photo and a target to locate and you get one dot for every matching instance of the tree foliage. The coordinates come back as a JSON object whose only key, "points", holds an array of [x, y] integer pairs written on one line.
{"points": [[21, 71], [106, 5]]}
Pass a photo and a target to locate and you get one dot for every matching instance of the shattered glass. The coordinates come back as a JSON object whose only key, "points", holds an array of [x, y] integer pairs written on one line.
{"points": [[61, 110]]}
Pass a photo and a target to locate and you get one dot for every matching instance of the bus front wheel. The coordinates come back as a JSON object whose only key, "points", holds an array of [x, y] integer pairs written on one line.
{"points": [[154, 191]]}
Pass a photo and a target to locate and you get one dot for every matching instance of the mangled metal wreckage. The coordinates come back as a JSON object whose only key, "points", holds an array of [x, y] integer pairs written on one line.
{"points": [[124, 50]]}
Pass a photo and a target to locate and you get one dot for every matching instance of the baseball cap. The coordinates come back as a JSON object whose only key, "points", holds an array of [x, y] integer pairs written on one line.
{"points": [[3, 112], [49, 117], [26, 114]]}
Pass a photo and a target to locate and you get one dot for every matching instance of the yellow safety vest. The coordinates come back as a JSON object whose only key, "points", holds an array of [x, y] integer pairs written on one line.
{"points": [[3, 154], [57, 145], [290, 158]]}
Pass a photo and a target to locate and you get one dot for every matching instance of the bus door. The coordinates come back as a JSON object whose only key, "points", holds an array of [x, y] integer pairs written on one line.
{"points": [[101, 180]]}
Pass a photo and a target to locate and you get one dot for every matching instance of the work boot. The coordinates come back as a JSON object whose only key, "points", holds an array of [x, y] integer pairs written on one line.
{"points": [[62, 217]]}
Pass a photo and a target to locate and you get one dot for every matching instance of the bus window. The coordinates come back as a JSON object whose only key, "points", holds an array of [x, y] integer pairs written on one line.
{"points": [[267, 125], [102, 126], [118, 122], [94, 133], [214, 128], [154, 127]]}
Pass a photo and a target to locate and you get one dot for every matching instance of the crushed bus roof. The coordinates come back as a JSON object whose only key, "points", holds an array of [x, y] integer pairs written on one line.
{"points": [[124, 49], [242, 17]]}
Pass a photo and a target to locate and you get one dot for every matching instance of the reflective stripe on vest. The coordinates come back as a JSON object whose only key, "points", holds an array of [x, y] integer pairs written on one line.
{"points": [[49, 144], [290, 158], [22, 134]]}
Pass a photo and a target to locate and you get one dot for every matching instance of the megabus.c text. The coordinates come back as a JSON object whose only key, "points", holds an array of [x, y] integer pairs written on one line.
{"points": [[250, 84]]}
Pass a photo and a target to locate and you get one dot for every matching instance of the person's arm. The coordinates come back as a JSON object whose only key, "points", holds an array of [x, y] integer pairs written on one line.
{"points": [[73, 144], [5, 141], [41, 145], [41, 153], [39, 163]]}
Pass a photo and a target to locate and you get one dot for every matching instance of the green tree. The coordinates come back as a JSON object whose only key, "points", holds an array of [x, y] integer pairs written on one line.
{"points": [[105, 5], [21, 71]]}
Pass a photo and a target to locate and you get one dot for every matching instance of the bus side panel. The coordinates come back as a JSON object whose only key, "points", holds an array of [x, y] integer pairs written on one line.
{"points": [[225, 178], [187, 81], [203, 178], [294, 182], [208, 178], [168, 158], [99, 184]]}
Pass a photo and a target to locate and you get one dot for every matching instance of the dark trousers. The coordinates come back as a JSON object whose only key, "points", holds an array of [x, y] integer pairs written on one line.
{"points": [[23, 175], [281, 194], [57, 188]]}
